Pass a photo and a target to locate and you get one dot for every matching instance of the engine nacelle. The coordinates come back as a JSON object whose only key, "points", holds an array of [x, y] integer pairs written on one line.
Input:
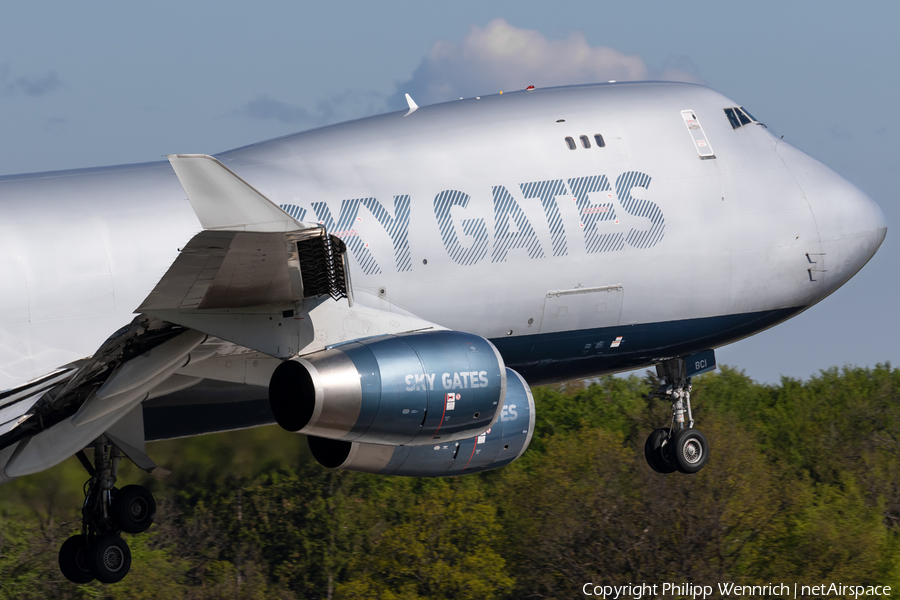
{"points": [[503, 443], [409, 389]]}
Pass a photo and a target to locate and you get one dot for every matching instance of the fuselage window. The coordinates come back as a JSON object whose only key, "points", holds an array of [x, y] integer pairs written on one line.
{"points": [[752, 118], [585, 141], [732, 118], [570, 143], [599, 139], [738, 117]]}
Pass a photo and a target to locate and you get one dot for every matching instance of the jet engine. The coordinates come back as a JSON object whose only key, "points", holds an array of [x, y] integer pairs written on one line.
{"points": [[503, 443], [408, 389]]}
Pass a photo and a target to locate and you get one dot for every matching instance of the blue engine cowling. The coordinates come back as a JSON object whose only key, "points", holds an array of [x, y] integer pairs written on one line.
{"points": [[408, 389], [503, 443]]}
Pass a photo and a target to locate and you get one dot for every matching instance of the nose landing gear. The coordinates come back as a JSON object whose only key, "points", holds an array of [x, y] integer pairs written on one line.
{"points": [[99, 552], [689, 450], [679, 447]]}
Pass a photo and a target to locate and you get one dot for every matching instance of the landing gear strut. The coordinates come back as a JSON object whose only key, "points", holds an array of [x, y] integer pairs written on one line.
{"points": [[679, 447], [99, 552]]}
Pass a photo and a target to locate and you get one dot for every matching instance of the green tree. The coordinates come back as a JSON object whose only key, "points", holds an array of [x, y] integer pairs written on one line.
{"points": [[443, 546]]}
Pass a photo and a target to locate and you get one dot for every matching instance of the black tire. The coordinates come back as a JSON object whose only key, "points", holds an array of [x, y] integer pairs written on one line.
{"points": [[109, 559], [654, 452], [689, 451], [133, 509], [74, 560]]}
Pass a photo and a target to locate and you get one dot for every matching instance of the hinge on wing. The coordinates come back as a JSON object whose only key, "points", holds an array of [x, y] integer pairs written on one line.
{"points": [[323, 266]]}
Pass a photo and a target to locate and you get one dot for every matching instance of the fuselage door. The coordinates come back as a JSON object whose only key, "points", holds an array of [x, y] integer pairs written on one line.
{"points": [[697, 135], [582, 308]]}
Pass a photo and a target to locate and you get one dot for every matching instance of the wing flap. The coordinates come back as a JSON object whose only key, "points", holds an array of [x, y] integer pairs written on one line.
{"points": [[250, 254], [188, 279], [254, 272], [234, 269]]}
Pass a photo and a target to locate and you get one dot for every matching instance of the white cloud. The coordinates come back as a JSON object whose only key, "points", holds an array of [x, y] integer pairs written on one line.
{"points": [[501, 56], [489, 59]]}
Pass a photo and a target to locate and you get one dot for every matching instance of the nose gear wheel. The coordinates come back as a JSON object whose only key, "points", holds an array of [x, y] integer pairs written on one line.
{"points": [[656, 452], [690, 450], [680, 447]]}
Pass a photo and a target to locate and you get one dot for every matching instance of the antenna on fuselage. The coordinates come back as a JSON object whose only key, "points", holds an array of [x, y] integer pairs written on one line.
{"points": [[412, 105]]}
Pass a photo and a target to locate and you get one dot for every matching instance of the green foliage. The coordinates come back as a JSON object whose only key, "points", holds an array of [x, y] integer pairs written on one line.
{"points": [[803, 484], [612, 403], [444, 545]]}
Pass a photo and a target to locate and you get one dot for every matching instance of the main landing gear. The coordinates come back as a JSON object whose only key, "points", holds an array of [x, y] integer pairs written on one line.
{"points": [[99, 552], [678, 447]]}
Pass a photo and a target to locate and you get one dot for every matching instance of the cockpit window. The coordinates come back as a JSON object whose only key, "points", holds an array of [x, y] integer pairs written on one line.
{"points": [[752, 118], [732, 118], [738, 117]]}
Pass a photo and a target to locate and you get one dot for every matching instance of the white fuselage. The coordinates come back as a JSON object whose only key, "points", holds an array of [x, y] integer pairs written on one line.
{"points": [[477, 216]]}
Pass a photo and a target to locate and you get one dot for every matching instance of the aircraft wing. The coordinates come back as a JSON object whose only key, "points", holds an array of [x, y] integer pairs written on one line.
{"points": [[250, 253], [257, 277], [251, 289]]}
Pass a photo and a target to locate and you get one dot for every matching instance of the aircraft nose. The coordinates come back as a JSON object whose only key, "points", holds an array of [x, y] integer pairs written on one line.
{"points": [[880, 222], [851, 225]]}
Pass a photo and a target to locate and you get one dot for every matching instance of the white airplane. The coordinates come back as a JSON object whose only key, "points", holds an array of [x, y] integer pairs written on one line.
{"points": [[494, 243]]}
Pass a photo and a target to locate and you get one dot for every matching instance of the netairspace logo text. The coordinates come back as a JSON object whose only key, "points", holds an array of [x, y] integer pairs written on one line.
{"points": [[729, 589]]}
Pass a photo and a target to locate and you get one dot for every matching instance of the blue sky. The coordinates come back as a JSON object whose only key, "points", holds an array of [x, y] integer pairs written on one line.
{"points": [[86, 84]]}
